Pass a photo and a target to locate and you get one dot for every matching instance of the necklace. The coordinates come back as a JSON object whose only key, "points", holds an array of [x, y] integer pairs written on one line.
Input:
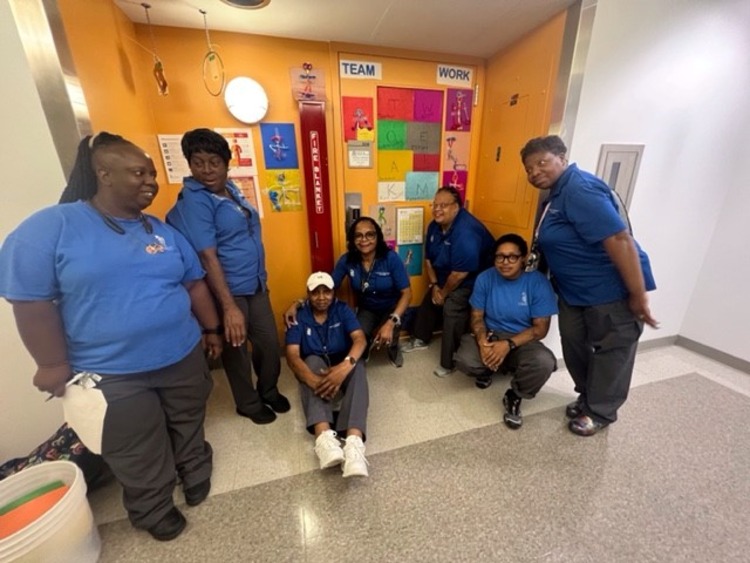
{"points": [[155, 246]]}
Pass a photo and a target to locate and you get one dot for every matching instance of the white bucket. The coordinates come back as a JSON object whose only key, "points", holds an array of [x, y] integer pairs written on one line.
{"points": [[66, 532]]}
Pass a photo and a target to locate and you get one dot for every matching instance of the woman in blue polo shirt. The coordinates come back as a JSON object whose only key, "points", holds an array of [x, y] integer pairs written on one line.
{"points": [[379, 282], [601, 276], [226, 232], [457, 248], [97, 286]]}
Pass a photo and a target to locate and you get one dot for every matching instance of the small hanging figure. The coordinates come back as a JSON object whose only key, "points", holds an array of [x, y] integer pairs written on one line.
{"points": [[161, 80], [361, 121]]}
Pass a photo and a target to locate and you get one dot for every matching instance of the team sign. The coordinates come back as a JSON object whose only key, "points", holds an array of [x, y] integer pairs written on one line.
{"points": [[455, 75], [361, 69]]}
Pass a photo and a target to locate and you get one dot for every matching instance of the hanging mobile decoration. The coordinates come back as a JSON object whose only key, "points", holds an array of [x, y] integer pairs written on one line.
{"points": [[161, 80], [213, 66]]}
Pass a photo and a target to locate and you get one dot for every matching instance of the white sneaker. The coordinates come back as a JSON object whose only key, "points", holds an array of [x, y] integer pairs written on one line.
{"points": [[440, 371], [328, 449], [355, 463]]}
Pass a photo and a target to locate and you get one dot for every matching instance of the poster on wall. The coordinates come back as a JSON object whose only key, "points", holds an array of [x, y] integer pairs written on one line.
{"points": [[248, 186], [174, 163], [279, 145], [243, 162], [456, 179], [409, 225], [411, 255], [284, 190], [308, 83], [358, 120], [391, 191], [385, 216], [456, 151], [458, 115], [421, 185]]}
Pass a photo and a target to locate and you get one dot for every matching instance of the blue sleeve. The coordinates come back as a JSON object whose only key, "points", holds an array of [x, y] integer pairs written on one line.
{"points": [[340, 271], [193, 216], [543, 302], [592, 212], [348, 318], [28, 258], [193, 269], [398, 271], [479, 294], [293, 335], [466, 250]]}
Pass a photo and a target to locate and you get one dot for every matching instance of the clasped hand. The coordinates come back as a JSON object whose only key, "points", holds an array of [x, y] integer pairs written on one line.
{"points": [[329, 381], [493, 353]]}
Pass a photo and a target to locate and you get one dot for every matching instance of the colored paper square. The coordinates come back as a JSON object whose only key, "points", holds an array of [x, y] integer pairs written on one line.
{"points": [[391, 191], [393, 165], [391, 135], [357, 117], [423, 137], [458, 114], [284, 190], [421, 185], [426, 162], [385, 216], [396, 103], [428, 106], [456, 179], [279, 145]]}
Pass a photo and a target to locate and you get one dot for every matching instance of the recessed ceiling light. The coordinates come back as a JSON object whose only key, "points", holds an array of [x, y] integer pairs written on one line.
{"points": [[248, 4]]}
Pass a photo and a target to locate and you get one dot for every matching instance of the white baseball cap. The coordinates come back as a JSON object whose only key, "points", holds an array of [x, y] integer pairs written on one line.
{"points": [[319, 278]]}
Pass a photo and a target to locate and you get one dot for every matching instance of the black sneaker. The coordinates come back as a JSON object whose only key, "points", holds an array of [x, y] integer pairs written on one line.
{"points": [[484, 380], [197, 493], [280, 404], [169, 527], [574, 410], [512, 404], [262, 415]]}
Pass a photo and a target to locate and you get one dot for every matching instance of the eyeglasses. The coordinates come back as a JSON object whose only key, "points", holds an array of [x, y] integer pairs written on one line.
{"points": [[442, 205], [369, 235], [509, 258]]}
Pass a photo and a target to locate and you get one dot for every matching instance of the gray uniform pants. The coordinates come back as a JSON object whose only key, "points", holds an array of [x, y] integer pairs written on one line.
{"points": [[455, 317], [354, 404], [370, 321], [266, 354], [599, 345], [153, 429], [530, 365]]}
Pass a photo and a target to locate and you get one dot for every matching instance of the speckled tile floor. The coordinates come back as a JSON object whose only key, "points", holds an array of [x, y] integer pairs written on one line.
{"points": [[449, 482]]}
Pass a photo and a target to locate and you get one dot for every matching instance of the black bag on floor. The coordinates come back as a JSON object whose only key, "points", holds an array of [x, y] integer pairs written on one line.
{"points": [[63, 445]]}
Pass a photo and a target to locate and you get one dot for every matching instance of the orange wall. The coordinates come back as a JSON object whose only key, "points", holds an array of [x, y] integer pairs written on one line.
{"points": [[527, 69], [122, 97]]}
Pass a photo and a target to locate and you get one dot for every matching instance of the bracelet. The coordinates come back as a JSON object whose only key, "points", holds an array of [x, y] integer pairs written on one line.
{"points": [[218, 330], [511, 345]]}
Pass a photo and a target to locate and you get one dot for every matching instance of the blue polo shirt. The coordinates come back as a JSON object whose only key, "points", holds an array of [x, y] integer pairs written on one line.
{"points": [[331, 339], [121, 297], [465, 247], [511, 305], [228, 224], [582, 213], [379, 289]]}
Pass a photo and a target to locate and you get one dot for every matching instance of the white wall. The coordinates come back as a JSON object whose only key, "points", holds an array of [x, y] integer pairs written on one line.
{"points": [[32, 178], [674, 75]]}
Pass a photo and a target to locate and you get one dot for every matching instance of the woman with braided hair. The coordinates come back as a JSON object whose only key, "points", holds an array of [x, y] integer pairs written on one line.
{"points": [[97, 286]]}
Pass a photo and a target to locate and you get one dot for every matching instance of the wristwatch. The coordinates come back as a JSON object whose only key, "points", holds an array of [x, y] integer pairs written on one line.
{"points": [[351, 359], [511, 344], [395, 318]]}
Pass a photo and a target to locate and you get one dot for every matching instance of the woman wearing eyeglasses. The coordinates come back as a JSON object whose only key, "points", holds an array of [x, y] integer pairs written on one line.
{"points": [[379, 283], [457, 248], [510, 314]]}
